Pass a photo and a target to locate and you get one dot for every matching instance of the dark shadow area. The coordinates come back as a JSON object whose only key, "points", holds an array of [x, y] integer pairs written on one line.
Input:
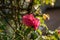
{"points": [[54, 21]]}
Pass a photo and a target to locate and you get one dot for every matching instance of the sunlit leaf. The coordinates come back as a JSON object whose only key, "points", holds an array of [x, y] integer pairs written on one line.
{"points": [[53, 38], [36, 1], [47, 1], [1, 30], [39, 31]]}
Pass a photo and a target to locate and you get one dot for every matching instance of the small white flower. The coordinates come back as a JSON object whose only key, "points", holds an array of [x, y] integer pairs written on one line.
{"points": [[52, 4], [36, 6], [43, 37], [51, 32]]}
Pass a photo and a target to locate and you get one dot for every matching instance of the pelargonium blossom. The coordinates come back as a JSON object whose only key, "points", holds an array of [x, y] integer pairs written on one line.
{"points": [[30, 20]]}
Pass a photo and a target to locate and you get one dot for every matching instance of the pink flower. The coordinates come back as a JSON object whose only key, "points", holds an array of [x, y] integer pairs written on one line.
{"points": [[30, 20], [58, 31]]}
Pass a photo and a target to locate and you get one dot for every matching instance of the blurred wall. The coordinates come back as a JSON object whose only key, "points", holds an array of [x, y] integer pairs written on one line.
{"points": [[54, 21], [57, 3]]}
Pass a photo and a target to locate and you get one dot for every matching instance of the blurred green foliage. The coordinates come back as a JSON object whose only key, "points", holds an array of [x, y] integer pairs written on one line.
{"points": [[11, 26]]}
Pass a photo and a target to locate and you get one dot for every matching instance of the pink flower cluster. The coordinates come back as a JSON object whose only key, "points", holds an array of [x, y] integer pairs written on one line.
{"points": [[58, 31], [30, 20]]}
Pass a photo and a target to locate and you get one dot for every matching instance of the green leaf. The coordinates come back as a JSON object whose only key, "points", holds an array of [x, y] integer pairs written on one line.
{"points": [[47, 1], [36, 1], [34, 35], [53, 37], [1, 30], [27, 31], [2, 27], [39, 31]]}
